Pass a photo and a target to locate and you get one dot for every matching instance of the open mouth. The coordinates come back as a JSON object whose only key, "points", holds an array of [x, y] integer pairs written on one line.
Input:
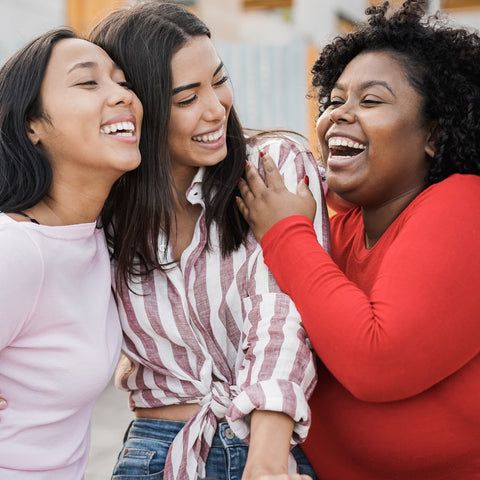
{"points": [[344, 147], [123, 129], [210, 137]]}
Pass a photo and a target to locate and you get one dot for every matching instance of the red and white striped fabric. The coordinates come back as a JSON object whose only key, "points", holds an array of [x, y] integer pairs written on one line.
{"points": [[219, 332]]}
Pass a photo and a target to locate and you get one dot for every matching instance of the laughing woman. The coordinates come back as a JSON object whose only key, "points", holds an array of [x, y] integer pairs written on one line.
{"points": [[59, 330], [219, 358], [394, 317]]}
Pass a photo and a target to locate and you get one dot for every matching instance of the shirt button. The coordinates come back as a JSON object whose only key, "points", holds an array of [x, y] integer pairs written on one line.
{"points": [[229, 433]]}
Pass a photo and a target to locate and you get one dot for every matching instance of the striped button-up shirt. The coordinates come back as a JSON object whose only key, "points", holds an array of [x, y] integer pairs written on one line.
{"points": [[217, 331]]}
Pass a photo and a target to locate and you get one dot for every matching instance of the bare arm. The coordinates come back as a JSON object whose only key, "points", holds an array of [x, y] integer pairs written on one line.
{"points": [[269, 447]]}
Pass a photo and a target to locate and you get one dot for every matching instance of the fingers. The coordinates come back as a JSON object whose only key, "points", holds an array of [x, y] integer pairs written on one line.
{"points": [[245, 188], [3, 404], [272, 175], [242, 207], [255, 182], [303, 190]]}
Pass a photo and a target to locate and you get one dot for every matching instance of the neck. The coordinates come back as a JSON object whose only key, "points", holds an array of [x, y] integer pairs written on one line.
{"points": [[183, 179], [61, 206], [378, 218]]}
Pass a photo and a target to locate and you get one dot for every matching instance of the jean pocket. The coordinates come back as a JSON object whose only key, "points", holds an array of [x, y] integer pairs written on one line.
{"points": [[140, 464]]}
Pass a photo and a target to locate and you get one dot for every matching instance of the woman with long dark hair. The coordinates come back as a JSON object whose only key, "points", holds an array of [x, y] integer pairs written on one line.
{"points": [[69, 128], [216, 353]]}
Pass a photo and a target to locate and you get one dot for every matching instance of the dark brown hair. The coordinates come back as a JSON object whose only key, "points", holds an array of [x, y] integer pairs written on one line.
{"points": [[142, 40]]}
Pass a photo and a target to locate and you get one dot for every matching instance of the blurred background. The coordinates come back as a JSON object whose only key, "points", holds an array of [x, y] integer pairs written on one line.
{"points": [[268, 47]]}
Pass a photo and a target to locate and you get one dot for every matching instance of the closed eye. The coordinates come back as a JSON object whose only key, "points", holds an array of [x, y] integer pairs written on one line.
{"points": [[334, 103], [221, 81], [188, 101], [371, 102], [89, 83], [125, 84]]}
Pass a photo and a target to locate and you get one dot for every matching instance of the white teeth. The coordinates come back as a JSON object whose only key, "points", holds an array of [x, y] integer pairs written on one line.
{"points": [[345, 142], [127, 129], [211, 137]]}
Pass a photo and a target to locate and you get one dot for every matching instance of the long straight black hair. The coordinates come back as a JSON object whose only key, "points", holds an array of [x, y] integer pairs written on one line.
{"points": [[142, 40], [25, 171]]}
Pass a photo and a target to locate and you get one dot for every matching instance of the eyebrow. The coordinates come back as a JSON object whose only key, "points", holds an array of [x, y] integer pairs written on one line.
{"points": [[194, 85], [80, 65], [370, 83]]}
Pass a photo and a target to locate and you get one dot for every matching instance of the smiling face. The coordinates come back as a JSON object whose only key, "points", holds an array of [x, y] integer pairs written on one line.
{"points": [[90, 121], [373, 137], [201, 103]]}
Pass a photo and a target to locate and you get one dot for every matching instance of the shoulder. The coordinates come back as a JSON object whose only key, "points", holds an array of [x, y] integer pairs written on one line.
{"points": [[459, 185], [458, 192], [280, 147], [20, 251]]}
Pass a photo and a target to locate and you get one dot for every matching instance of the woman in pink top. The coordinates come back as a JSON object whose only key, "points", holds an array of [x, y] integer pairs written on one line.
{"points": [[61, 99], [218, 357], [394, 313]]}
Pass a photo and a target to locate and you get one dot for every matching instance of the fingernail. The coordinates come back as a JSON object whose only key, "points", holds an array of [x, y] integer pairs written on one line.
{"points": [[262, 153], [306, 180], [3, 404], [247, 164]]}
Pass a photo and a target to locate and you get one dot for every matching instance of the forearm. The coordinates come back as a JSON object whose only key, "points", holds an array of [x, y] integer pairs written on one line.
{"points": [[408, 308], [270, 436]]}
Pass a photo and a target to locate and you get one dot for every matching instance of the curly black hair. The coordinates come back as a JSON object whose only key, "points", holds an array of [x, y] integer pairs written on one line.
{"points": [[442, 63]]}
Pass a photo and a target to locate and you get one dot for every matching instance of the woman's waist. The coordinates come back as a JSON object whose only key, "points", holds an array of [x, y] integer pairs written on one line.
{"points": [[174, 413]]}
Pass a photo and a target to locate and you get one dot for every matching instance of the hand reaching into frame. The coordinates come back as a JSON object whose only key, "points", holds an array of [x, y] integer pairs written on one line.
{"points": [[265, 203]]}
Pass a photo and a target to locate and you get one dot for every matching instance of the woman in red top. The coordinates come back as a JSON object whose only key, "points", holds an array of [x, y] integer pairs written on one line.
{"points": [[394, 313]]}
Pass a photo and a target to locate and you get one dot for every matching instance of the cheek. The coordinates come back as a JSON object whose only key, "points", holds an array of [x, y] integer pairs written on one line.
{"points": [[322, 125], [321, 128], [138, 111], [225, 97]]}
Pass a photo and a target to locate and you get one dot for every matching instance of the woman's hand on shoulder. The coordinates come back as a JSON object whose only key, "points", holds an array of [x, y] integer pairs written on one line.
{"points": [[265, 203]]}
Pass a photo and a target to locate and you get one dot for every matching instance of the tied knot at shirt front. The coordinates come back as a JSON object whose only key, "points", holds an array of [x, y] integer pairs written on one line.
{"points": [[219, 332]]}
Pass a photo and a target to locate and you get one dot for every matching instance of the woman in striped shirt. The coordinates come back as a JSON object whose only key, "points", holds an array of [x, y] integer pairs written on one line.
{"points": [[216, 356]]}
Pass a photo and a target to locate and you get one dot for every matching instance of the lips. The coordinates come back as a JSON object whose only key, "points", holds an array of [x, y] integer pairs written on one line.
{"points": [[210, 137], [125, 129], [344, 147]]}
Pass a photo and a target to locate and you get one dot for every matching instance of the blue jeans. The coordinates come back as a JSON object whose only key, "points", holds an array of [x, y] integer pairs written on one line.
{"points": [[147, 442]]}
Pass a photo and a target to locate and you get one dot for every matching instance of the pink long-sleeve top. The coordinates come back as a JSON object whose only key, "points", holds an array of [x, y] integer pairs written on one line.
{"points": [[398, 330], [60, 339], [219, 331]]}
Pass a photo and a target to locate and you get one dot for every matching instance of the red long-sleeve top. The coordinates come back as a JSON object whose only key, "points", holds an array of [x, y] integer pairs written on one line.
{"points": [[397, 332]]}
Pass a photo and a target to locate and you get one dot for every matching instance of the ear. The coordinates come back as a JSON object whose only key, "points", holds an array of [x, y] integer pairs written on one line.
{"points": [[431, 141], [33, 129]]}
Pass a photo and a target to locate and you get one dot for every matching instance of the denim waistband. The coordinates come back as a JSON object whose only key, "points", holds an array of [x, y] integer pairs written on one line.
{"points": [[167, 430]]}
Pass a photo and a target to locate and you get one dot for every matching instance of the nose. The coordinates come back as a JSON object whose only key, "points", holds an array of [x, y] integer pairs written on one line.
{"points": [[214, 108], [120, 95], [342, 113]]}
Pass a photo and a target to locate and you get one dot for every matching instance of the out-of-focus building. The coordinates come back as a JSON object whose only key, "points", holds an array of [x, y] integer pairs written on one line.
{"points": [[268, 46]]}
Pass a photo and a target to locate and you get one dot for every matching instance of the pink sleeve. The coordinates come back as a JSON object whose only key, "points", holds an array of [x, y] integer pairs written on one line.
{"points": [[20, 278], [420, 323]]}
